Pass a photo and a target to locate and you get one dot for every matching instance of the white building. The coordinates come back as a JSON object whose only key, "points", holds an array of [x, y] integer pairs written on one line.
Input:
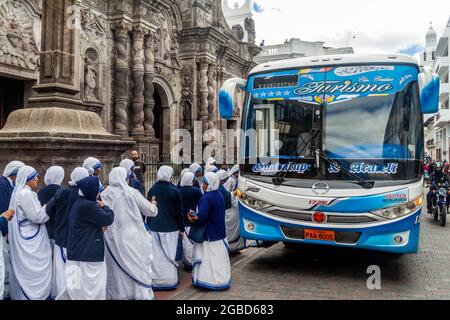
{"points": [[428, 57], [236, 14], [438, 126], [295, 48]]}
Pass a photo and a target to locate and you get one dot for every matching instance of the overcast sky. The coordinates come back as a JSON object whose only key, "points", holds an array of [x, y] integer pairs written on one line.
{"points": [[381, 26]]}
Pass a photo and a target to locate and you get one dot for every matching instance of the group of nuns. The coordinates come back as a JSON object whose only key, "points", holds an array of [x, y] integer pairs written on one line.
{"points": [[87, 242]]}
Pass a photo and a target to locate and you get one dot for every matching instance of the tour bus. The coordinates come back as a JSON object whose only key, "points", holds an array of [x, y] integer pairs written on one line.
{"points": [[332, 150]]}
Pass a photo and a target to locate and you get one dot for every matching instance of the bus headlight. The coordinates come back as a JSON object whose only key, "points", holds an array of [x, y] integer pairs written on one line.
{"points": [[400, 211], [254, 203]]}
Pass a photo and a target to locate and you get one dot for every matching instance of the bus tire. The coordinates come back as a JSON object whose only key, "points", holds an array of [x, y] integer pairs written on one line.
{"points": [[443, 216]]}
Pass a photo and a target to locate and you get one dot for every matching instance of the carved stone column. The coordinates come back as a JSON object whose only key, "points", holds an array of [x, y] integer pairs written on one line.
{"points": [[204, 92], [121, 70], [149, 102], [59, 84], [212, 87], [137, 104]]}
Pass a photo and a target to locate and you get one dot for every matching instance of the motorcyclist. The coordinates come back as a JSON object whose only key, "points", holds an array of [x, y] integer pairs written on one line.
{"points": [[438, 177]]}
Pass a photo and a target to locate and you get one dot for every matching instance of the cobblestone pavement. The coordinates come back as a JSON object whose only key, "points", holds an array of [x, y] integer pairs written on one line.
{"points": [[329, 273]]}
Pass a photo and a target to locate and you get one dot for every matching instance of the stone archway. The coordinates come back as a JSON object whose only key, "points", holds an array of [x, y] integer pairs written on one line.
{"points": [[164, 100]]}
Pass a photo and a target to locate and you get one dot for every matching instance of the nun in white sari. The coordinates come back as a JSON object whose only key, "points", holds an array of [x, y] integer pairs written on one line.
{"points": [[6, 189], [211, 261], [232, 219], [167, 230], [30, 251], [129, 251]]}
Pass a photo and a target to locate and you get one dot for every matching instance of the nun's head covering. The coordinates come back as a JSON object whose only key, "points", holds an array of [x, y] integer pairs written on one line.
{"points": [[128, 165], [89, 188], [222, 175], [234, 170], [187, 180], [24, 175], [92, 164], [12, 168], [78, 174], [211, 161], [183, 172], [118, 178], [54, 175], [212, 181], [212, 169], [195, 168], [165, 173]]}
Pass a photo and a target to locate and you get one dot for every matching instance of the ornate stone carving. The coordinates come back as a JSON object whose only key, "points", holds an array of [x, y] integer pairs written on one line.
{"points": [[186, 96], [204, 92], [137, 105], [249, 25], [149, 103], [19, 46], [90, 75], [120, 79], [238, 32], [92, 22], [212, 86]]}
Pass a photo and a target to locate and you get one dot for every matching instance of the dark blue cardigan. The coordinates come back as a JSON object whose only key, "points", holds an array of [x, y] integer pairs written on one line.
{"points": [[86, 242], [170, 208], [58, 210], [44, 196], [6, 190], [190, 197], [211, 210]]}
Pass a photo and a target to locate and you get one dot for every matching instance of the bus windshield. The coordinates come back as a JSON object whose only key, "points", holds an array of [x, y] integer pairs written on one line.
{"points": [[374, 133]]}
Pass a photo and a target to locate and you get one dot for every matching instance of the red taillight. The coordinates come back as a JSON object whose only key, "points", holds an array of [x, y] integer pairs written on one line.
{"points": [[319, 217]]}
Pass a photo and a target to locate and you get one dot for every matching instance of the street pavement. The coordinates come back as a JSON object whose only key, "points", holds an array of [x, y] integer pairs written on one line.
{"points": [[316, 272]]}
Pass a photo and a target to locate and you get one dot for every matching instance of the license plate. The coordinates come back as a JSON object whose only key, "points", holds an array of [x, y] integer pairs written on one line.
{"points": [[320, 235]]}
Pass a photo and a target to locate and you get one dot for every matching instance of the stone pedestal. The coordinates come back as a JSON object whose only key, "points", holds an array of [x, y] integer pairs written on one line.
{"points": [[43, 137]]}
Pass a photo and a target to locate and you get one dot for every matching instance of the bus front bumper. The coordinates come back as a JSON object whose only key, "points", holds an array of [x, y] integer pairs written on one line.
{"points": [[400, 236]]}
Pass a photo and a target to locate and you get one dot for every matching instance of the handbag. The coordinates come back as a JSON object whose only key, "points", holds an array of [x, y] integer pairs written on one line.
{"points": [[198, 233]]}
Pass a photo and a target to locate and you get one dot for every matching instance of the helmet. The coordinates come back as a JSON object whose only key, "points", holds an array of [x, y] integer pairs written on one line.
{"points": [[438, 166]]}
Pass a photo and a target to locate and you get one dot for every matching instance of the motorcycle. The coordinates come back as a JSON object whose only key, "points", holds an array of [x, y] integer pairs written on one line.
{"points": [[440, 206]]}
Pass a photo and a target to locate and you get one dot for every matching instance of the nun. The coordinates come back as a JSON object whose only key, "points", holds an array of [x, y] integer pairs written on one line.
{"points": [[129, 165], [197, 170], [167, 230], [235, 242], [53, 179], [183, 172], [190, 197], [86, 268], [211, 168], [30, 251], [211, 261], [4, 218], [58, 210], [7, 181], [129, 251], [210, 162], [232, 183], [94, 167]]}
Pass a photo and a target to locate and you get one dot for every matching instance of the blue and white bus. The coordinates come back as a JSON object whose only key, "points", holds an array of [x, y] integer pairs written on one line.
{"points": [[336, 154]]}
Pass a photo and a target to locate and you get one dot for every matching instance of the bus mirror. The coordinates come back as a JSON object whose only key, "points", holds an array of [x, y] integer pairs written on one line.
{"points": [[429, 91], [227, 96]]}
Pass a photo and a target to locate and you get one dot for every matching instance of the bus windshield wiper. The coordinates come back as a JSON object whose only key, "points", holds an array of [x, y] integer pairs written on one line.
{"points": [[281, 177], [366, 184]]}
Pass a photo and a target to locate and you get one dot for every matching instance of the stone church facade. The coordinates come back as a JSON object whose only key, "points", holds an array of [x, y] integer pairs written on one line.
{"points": [[146, 67]]}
